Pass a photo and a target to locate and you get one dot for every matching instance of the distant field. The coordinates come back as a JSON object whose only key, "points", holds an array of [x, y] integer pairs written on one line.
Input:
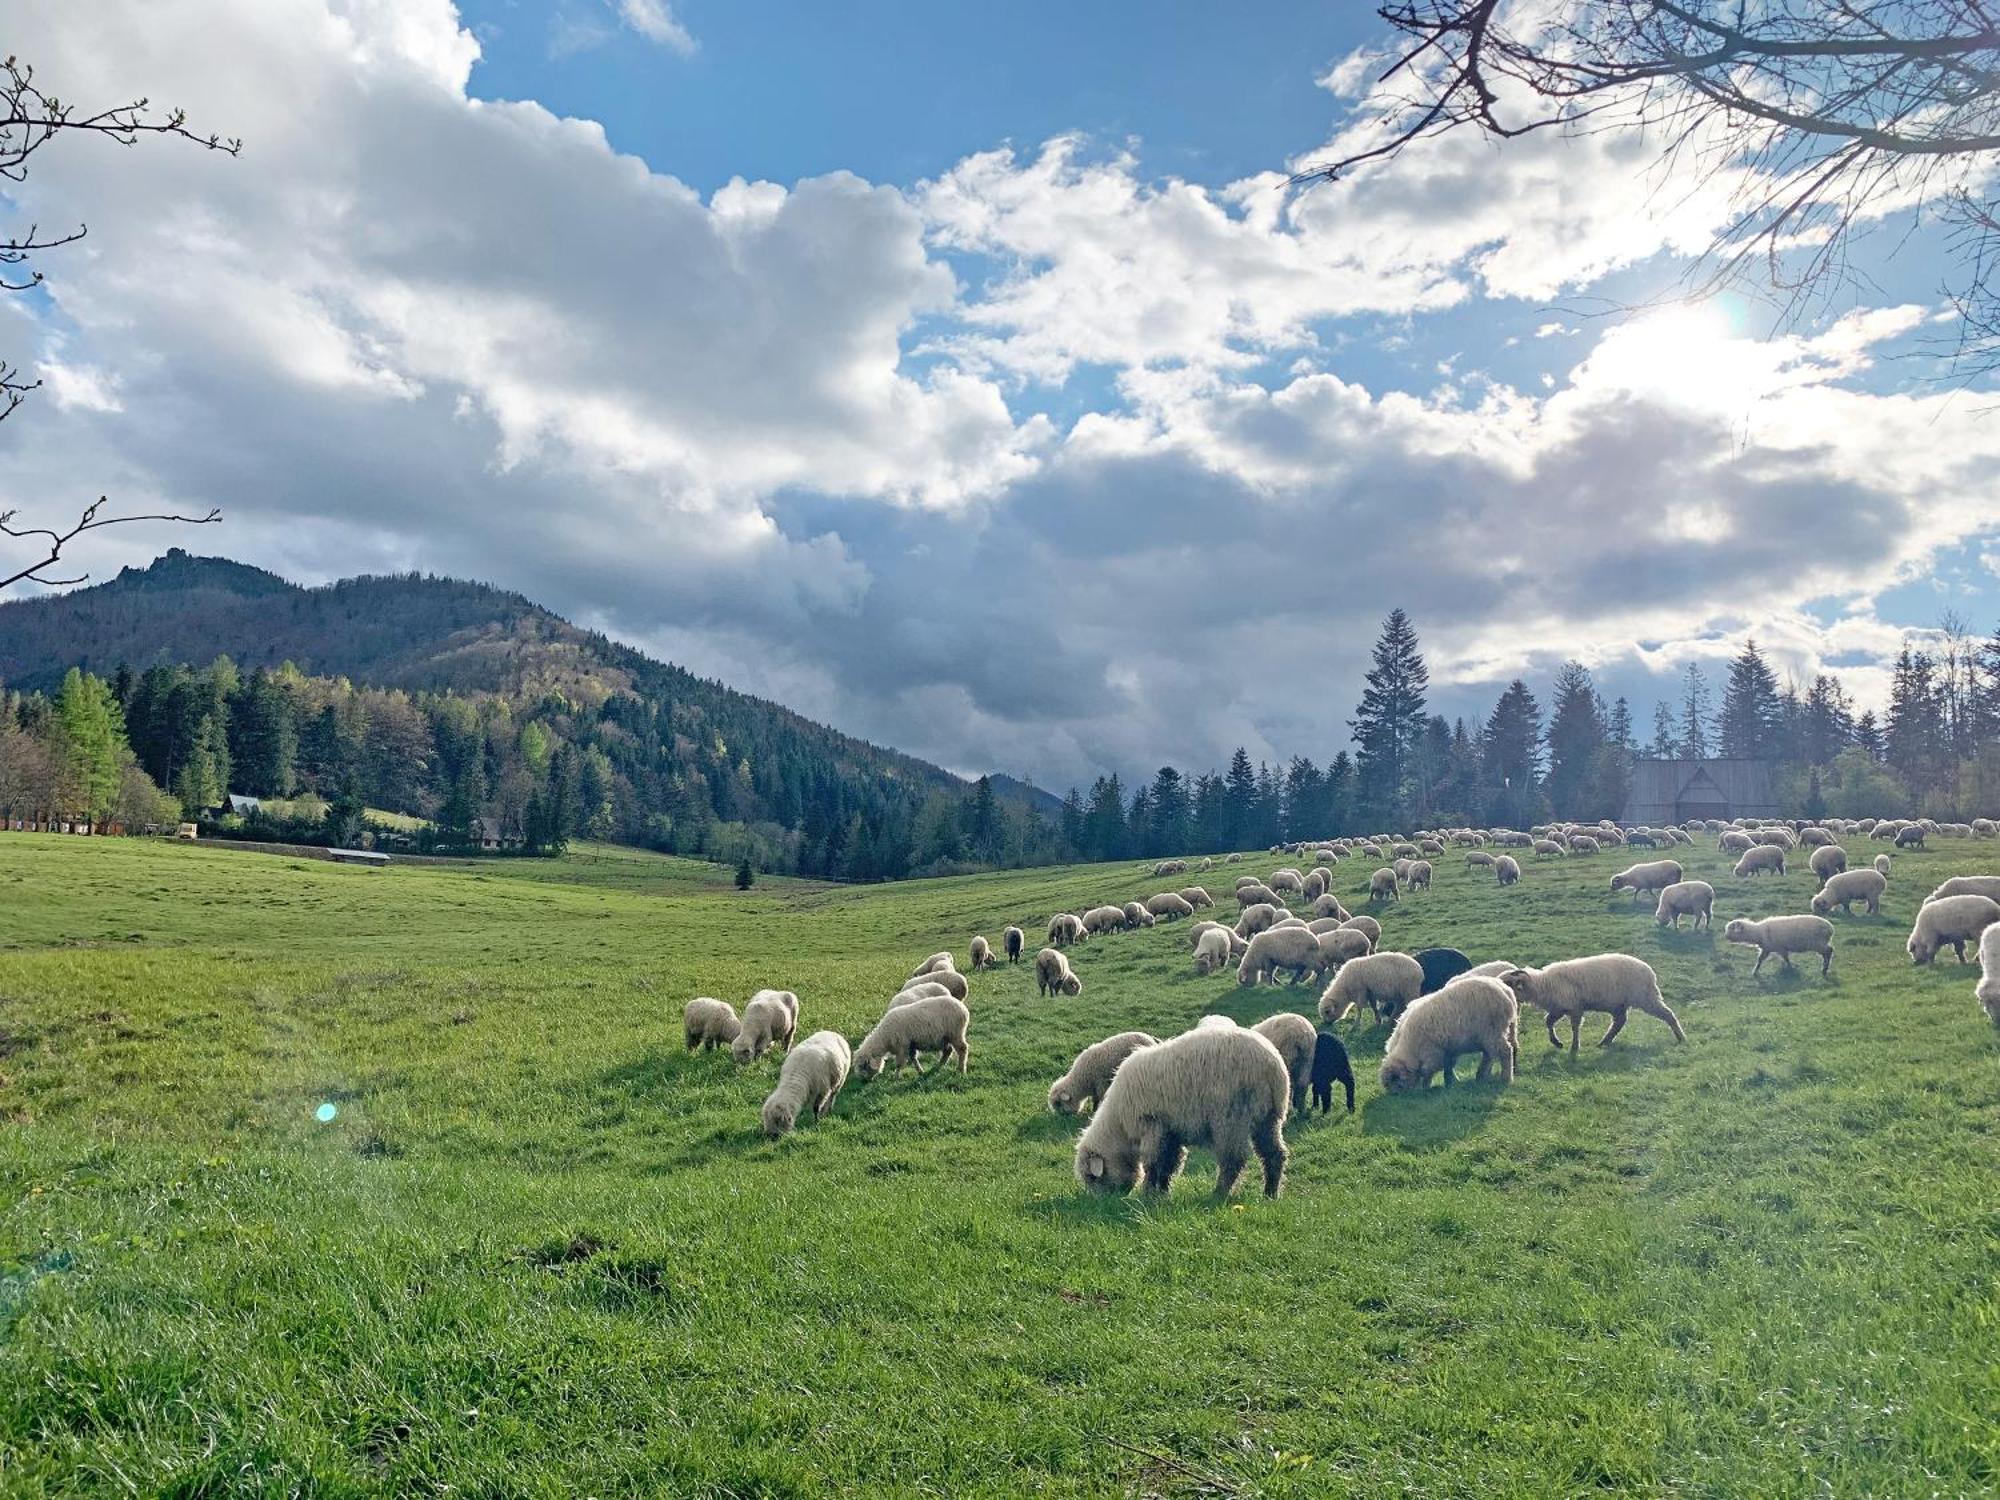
{"points": [[539, 1250]]}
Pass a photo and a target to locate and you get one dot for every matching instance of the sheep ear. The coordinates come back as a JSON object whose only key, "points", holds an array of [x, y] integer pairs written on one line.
{"points": [[1094, 1167]]}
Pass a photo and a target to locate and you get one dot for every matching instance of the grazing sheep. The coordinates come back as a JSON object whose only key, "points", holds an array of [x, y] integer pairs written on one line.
{"points": [[951, 979], [1053, 975], [1882, 865], [1331, 1066], [1967, 885], [982, 955], [1168, 905], [1951, 922], [1384, 886], [1066, 928], [1420, 875], [1136, 915], [1232, 859], [1549, 849], [1686, 898], [1339, 945], [812, 1074], [1256, 893], [1911, 837], [1225, 1088], [934, 1024], [935, 962], [1013, 940], [1256, 919], [1494, 969], [1655, 876], [1507, 870], [1815, 837], [1287, 880], [1760, 860], [917, 989], [1733, 841], [1295, 1038], [1091, 1074], [1329, 906], [1197, 898], [1784, 936], [1581, 843], [1367, 925], [1170, 867], [1294, 949], [769, 1019], [1827, 861], [1478, 859], [1987, 991], [1848, 887], [709, 1023], [1213, 950], [1610, 982], [1317, 881], [1402, 869], [1471, 1014], [1103, 919], [1774, 838], [1440, 966], [1384, 982]]}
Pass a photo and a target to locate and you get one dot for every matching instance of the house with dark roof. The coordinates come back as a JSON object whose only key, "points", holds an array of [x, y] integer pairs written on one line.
{"points": [[1673, 791]]}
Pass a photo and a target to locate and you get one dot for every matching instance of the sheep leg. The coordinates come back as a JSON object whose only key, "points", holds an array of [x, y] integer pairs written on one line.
{"points": [[1162, 1161], [1230, 1159], [1959, 948], [1786, 959], [1485, 1066], [964, 1056], [1575, 1032], [1826, 962], [1762, 954], [1549, 1020], [1617, 1025], [1269, 1142]]}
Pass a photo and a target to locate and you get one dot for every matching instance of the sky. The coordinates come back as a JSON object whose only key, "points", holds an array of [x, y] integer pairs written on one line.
{"points": [[971, 378]]}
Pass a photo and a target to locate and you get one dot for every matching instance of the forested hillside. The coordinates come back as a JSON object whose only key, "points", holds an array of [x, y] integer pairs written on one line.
{"points": [[454, 701]]}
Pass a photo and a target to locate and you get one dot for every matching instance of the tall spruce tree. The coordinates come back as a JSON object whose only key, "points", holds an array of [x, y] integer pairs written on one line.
{"points": [[1692, 734], [1749, 723], [1510, 750], [1388, 723], [1577, 744]]}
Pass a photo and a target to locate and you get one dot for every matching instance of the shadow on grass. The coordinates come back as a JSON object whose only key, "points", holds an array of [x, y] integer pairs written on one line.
{"points": [[1434, 1118], [1686, 940], [1050, 1126]]}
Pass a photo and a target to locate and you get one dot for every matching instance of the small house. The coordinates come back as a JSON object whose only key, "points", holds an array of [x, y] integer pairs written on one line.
{"points": [[1677, 791]]}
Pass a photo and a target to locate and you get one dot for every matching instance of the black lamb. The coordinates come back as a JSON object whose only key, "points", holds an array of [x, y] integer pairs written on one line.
{"points": [[1441, 966], [1330, 1063]]}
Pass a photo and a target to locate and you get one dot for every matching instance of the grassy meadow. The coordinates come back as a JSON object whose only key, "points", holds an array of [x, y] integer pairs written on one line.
{"points": [[539, 1250]]}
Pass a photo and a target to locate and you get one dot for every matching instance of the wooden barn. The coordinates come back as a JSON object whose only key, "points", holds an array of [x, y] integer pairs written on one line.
{"points": [[1673, 791]]}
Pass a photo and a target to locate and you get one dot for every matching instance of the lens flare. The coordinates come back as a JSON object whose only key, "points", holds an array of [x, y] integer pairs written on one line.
{"points": [[325, 1113]]}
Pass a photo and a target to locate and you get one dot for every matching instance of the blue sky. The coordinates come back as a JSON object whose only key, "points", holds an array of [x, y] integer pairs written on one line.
{"points": [[967, 376]]}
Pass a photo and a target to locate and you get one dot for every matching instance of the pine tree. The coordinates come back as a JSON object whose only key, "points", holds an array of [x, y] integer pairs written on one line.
{"points": [[1913, 737], [1577, 743], [1072, 823], [1620, 727], [1692, 735], [1751, 714], [1340, 796], [90, 741], [1828, 723], [1666, 734], [1388, 723], [1868, 735], [745, 875], [1240, 800], [1510, 752], [1170, 820]]}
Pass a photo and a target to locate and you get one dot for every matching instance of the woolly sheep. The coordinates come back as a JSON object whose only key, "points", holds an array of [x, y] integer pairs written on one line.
{"points": [[1548, 849], [1053, 975], [951, 979], [1384, 982], [1223, 1088], [1910, 838], [1987, 991], [1471, 1014], [1967, 885], [1316, 883], [1382, 886], [1232, 859], [934, 962], [1294, 949], [917, 989], [1733, 841], [1091, 1074], [1985, 828], [1402, 868], [1065, 928], [813, 1074], [1295, 1038], [1170, 867], [1329, 906], [1479, 859], [1256, 919], [1330, 1066], [1198, 898], [1440, 966], [982, 955], [1882, 865], [1136, 915], [1774, 838], [1582, 843], [936, 1023], [1256, 894], [1686, 898], [1420, 875], [1827, 861], [1815, 837], [1610, 982], [1951, 922], [1368, 925], [769, 1019], [1212, 950], [1103, 919], [1169, 904], [1784, 936], [709, 1023], [1013, 940], [1493, 969], [1848, 887], [1341, 945], [1287, 880], [1654, 876], [1325, 924], [1763, 859], [1507, 870]]}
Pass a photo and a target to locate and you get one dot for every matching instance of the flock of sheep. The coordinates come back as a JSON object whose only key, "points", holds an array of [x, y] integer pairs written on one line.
{"points": [[1230, 1088]]}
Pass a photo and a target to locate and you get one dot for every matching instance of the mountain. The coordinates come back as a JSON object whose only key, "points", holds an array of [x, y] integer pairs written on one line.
{"points": [[660, 729]]}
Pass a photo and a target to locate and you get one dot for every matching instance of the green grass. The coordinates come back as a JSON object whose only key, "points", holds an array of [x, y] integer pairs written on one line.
{"points": [[539, 1250]]}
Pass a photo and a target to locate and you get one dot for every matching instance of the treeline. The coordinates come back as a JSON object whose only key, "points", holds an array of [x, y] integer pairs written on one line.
{"points": [[480, 769], [1936, 752]]}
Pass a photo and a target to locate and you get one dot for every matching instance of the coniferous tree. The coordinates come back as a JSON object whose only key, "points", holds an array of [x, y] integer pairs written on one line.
{"points": [[1240, 800], [1388, 723], [1666, 733], [745, 875], [1913, 740], [1577, 744], [1692, 733], [1510, 750], [1749, 723], [90, 740], [1868, 735], [1072, 823], [1171, 826], [1341, 817]]}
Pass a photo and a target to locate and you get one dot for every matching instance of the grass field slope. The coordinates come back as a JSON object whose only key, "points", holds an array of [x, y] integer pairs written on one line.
{"points": [[332, 1181]]}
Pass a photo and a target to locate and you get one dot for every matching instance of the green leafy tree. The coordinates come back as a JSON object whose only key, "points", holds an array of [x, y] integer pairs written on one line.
{"points": [[90, 734]]}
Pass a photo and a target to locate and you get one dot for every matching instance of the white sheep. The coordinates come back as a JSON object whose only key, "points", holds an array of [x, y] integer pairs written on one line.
{"points": [[1384, 982], [1609, 982], [709, 1023], [1384, 886], [1287, 880], [935, 1023], [1296, 1039], [1104, 919], [1494, 968], [1827, 861], [1225, 1088], [934, 962], [1169, 904], [1686, 898], [1198, 898], [1065, 928], [1091, 1074], [1294, 949], [1951, 922], [1329, 906], [1656, 875], [1470, 1014], [1967, 885], [953, 981], [1419, 878], [1363, 923], [1213, 949], [1507, 870], [1549, 849], [1732, 841], [1053, 975], [917, 989], [1760, 860], [1784, 936], [813, 1074], [770, 1018], [1581, 843], [1479, 859], [1256, 893], [1340, 945], [982, 955], [1987, 992], [1882, 865], [1256, 919], [1848, 887]]}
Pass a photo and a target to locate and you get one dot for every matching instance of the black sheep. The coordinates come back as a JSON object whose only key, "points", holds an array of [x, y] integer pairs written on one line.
{"points": [[1330, 1063], [1013, 940], [1441, 966]]}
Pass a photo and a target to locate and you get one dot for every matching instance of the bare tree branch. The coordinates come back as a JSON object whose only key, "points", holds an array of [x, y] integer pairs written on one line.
{"points": [[90, 520]]}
